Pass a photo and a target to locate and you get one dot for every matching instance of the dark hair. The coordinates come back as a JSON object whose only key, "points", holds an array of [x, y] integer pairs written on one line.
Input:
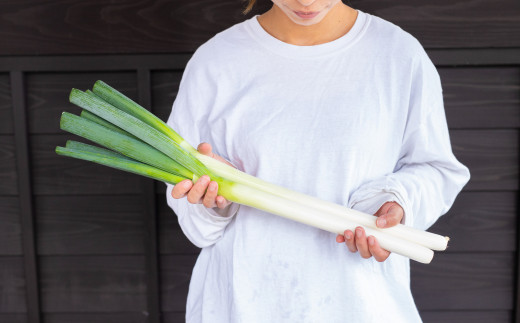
{"points": [[250, 4]]}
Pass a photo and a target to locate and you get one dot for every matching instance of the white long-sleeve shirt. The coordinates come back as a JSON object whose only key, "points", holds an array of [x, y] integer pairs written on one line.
{"points": [[358, 121]]}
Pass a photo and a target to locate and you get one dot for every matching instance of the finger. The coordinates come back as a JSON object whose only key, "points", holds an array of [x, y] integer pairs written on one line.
{"points": [[383, 209], [350, 241], [393, 216], [361, 243], [222, 202], [205, 149], [382, 221], [210, 197], [198, 190], [181, 189], [340, 238], [379, 253]]}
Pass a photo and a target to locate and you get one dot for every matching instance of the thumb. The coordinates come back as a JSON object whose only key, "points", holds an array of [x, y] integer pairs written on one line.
{"points": [[206, 149], [390, 216]]}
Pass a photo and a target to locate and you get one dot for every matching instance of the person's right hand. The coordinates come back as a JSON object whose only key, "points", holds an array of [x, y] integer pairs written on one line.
{"points": [[204, 191]]}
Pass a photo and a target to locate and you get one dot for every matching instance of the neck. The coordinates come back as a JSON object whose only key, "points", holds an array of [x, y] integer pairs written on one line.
{"points": [[338, 21]]}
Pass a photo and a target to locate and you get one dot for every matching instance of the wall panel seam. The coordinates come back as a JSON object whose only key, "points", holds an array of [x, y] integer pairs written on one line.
{"points": [[25, 195], [151, 215]]}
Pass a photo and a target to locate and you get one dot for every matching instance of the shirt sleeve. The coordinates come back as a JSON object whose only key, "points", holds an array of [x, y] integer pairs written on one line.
{"points": [[202, 226], [427, 177]]}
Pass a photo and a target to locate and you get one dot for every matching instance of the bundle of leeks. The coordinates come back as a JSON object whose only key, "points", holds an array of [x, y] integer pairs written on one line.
{"points": [[140, 143]]}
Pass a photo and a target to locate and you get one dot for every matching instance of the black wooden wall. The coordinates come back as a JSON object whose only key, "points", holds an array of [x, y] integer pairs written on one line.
{"points": [[84, 243]]}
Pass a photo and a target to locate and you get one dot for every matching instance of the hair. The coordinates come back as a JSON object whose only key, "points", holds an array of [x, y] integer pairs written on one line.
{"points": [[250, 4]]}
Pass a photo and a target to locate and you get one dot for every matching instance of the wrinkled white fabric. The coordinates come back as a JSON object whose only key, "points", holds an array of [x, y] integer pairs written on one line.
{"points": [[358, 121]]}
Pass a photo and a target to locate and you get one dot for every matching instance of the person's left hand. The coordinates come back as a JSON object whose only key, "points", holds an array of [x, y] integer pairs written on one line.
{"points": [[390, 214]]}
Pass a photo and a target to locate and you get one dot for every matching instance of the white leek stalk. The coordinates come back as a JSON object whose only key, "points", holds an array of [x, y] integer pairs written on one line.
{"points": [[424, 238], [299, 212]]}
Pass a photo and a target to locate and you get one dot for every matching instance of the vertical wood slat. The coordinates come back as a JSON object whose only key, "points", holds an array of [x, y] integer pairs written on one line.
{"points": [[150, 213], [516, 296], [516, 303], [25, 195]]}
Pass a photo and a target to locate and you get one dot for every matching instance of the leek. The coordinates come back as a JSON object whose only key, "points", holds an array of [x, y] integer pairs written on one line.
{"points": [[155, 150], [122, 102], [125, 145], [245, 195], [94, 118], [71, 144], [125, 164], [137, 128]]}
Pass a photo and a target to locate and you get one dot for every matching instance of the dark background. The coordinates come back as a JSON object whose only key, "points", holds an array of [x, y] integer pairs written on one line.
{"points": [[85, 243]]}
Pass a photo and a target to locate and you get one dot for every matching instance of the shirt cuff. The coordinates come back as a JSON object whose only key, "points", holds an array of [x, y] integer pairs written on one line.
{"points": [[216, 215], [371, 204]]}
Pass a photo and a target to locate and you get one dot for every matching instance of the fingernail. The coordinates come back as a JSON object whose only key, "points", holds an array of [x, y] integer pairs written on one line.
{"points": [[187, 184], [358, 233], [382, 222], [348, 236], [212, 186], [371, 240]]}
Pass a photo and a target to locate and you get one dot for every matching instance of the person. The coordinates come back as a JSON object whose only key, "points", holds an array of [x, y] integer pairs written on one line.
{"points": [[330, 101]]}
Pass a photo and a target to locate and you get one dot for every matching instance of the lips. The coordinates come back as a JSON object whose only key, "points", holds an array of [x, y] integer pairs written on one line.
{"points": [[306, 15]]}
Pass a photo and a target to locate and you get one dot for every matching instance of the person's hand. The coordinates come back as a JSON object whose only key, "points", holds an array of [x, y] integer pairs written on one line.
{"points": [[390, 214], [204, 191]]}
